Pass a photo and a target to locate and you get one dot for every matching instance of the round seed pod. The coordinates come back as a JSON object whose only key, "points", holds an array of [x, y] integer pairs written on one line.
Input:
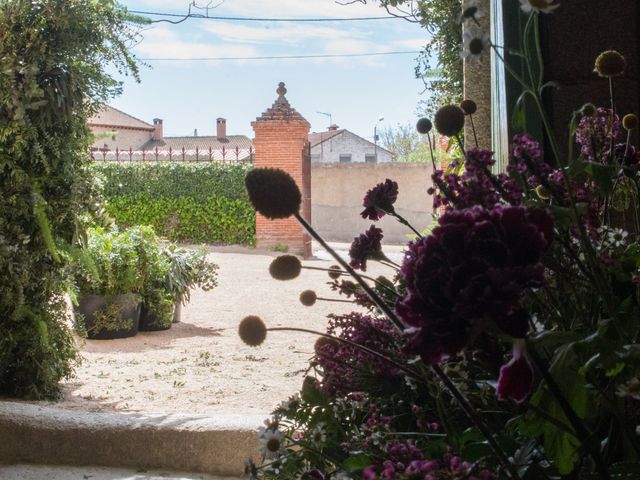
{"points": [[252, 330]]}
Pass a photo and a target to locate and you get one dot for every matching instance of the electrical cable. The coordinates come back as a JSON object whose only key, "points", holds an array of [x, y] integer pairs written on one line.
{"points": [[252, 19], [279, 57]]}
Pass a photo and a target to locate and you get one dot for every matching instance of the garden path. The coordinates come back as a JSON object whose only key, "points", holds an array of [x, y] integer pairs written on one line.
{"points": [[200, 366]]}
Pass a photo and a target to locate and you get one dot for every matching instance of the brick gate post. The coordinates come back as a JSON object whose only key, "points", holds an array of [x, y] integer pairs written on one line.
{"points": [[281, 141]]}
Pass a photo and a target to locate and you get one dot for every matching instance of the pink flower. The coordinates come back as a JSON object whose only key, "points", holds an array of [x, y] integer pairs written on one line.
{"points": [[516, 377]]}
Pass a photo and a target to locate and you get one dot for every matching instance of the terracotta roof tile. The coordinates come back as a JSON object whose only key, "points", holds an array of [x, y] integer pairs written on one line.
{"points": [[113, 117], [317, 138]]}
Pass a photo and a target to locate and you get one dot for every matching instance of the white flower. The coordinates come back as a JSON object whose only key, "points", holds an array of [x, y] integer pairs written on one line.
{"points": [[318, 435], [471, 11], [617, 237], [544, 6], [475, 43], [342, 476], [270, 442]]}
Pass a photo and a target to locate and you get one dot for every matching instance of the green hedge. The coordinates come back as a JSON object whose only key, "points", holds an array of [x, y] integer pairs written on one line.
{"points": [[185, 202]]}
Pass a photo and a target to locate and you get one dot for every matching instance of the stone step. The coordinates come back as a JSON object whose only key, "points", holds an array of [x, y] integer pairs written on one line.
{"points": [[56, 472], [45, 435]]}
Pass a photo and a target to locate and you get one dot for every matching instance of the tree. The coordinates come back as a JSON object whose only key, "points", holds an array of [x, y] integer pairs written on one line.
{"points": [[53, 60], [405, 144]]}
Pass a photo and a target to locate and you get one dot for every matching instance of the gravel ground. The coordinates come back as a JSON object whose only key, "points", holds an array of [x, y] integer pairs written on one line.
{"points": [[200, 366]]}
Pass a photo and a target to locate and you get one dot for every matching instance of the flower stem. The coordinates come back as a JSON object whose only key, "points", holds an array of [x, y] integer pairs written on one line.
{"points": [[433, 160], [405, 222], [473, 129], [473, 416], [375, 298], [368, 350], [581, 430]]}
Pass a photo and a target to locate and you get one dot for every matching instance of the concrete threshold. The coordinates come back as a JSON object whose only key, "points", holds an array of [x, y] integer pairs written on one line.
{"points": [[52, 472], [44, 435]]}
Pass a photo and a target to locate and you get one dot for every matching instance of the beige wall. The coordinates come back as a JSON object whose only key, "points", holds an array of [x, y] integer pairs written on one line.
{"points": [[337, 191], [125, 138]]}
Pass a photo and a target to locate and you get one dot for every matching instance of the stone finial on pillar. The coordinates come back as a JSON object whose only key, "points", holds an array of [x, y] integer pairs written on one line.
{"points": [[281, 141]]}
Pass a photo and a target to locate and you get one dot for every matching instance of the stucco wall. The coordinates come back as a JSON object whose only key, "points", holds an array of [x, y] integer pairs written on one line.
{"points": [[125, 138], [337, 191], [346, 142]]}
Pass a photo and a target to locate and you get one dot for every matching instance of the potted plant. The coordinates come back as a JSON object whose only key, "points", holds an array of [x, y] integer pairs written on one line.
{"points": [[108, 280], [188, 269], [157, 307]]}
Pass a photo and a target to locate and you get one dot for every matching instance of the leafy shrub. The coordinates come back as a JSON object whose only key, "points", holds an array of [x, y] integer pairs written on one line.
{"points": [[53, 57], [203, 202]]}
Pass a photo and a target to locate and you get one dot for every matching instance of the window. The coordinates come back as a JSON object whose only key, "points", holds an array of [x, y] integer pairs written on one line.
{"points": [[370, 158], [345, 158]]}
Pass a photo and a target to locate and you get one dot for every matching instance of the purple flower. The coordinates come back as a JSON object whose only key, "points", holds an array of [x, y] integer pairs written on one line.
{"points": [[366, 246], [345, 368], [594, 134], [472, 270], [516, 377], [379, 200], [477, 185]]}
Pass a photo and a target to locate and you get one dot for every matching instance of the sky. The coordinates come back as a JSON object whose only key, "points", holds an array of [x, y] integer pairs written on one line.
{"points": [[356, 91]]}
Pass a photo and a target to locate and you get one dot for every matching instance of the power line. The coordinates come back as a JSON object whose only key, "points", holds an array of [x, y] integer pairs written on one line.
{"points": [[254, 19], [276, 57]]}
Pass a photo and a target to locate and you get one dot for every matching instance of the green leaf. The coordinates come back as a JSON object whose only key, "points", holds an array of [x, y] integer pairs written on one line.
{"points": [[602, 175], [356, 463]]}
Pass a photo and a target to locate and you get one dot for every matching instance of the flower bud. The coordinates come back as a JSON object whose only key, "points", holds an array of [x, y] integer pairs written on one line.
{"points": [[610, 64], [335, 272], [588, 110], [469, 107], [449, 120], [308, 298], [424, 126], [252, 330], [273, 192], [630, 121], [285, 267]]}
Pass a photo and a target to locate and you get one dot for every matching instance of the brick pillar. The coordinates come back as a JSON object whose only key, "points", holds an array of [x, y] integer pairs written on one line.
{"points": [[281, 140]]}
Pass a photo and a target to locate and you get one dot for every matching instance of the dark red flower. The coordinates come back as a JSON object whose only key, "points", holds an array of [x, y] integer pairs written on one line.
{"points": [[470, 271], [379, 200], [366, 246], [516, 377]]}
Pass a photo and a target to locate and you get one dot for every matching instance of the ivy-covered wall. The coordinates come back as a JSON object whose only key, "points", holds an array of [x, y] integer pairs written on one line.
{"points": [[184, 202]]}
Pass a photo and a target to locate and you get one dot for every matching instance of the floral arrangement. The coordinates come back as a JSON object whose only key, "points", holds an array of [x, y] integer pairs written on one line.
{"points": [[506, 346]]}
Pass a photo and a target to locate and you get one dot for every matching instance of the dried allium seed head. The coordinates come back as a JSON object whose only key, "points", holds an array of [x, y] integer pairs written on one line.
{"points": [[273, 192], [542, 192], [424, 126], [588, 110], [610, 64], [335, 272], [252, 330], [308, 298], [469, 107], [630, 121], [285, 267], [322, 341], [449, 120]]}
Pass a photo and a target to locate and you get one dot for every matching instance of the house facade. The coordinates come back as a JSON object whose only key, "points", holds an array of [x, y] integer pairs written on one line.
{"points": [[121, 136], [342, 146]]}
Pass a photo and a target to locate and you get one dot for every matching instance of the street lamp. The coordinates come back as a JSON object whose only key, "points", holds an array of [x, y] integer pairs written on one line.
{"points": [[375, 137]]}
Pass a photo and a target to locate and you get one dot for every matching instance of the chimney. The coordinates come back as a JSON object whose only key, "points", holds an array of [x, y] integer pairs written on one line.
{"points": [[157, 129], [221, 128], [195, 132], [333, 127]]}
